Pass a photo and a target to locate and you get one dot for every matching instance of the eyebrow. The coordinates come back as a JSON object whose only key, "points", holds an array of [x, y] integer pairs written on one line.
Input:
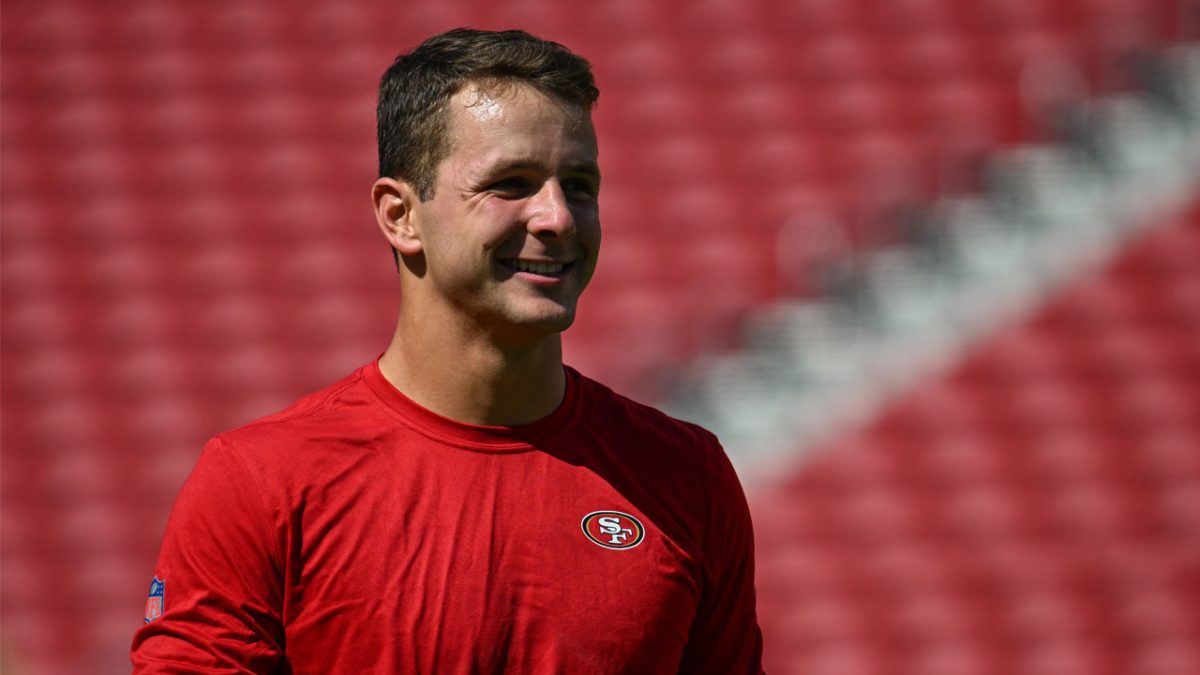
{"points": [[586, 168]]}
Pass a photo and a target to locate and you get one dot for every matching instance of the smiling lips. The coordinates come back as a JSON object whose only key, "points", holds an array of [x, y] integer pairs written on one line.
{"points": [[537, 267]]}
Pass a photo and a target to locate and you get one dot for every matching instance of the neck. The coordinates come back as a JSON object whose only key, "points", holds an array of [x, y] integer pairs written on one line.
{"points": [[470, 376]]}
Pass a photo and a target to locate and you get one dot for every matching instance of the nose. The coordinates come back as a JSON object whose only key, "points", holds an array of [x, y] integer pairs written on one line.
{"points": [[551, 215]]}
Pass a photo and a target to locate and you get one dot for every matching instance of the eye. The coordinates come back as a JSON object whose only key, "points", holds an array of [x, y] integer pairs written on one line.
{"points": [[511, 187], [580, 189]]}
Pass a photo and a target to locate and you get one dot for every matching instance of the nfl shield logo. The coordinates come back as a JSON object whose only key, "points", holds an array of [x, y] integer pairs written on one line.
{"points": [[154, 601]]}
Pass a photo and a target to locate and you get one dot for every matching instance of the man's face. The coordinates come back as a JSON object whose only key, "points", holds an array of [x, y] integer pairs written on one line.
{"points": [[512, 232]]}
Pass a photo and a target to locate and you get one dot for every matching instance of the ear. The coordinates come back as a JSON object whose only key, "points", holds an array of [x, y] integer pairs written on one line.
{"points": [[394, 201]]}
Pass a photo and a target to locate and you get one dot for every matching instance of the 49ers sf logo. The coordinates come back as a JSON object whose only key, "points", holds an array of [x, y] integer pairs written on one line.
{"points": [[613, 529]]}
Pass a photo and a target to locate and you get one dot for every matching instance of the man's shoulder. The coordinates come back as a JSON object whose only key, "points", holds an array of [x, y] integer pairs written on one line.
{"points": [[603, 400], [342, 408], [607, 411]]}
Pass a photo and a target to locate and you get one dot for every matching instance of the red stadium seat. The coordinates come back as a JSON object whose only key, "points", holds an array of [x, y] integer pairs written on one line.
{"points": [[738, 57], [839, 58], [644, 61], [932, 57], [911, 17], [720, 17], [810, 18]]}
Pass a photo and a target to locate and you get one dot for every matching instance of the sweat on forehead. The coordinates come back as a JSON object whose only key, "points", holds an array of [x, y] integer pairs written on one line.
{"points": [[484, 98]]}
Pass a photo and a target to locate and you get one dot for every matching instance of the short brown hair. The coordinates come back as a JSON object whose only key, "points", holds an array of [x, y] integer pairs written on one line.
{"points": [[413, 125]]}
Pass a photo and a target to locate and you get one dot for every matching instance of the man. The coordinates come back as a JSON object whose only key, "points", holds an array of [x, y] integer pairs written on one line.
{"points": [[466, 504]]}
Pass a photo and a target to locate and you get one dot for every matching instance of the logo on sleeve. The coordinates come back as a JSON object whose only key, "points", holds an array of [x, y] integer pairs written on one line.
{"points": [[613, 529], [154, 600]]}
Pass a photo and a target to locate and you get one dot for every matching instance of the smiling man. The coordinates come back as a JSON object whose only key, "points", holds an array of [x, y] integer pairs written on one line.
{"points": [[466, 504]]}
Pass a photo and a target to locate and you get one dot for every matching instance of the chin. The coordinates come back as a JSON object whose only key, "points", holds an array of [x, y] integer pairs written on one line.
{"points": [[555, 324], [556, 320]]}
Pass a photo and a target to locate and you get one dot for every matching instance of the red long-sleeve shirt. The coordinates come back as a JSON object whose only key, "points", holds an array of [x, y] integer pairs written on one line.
{"points": [[358, 532]]}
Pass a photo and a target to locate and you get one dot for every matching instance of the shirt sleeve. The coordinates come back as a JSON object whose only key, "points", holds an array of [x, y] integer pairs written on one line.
{"points": [[725, 636], [221, 571]]}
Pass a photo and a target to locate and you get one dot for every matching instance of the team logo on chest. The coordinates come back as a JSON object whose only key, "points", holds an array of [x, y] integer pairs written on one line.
{"points": [[613, 529]]}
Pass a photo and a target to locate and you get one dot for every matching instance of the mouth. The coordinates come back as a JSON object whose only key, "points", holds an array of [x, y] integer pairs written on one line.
{"points": [[542, 268]]}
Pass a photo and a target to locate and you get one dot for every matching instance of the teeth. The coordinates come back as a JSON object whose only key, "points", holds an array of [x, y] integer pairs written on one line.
{"points": [[538, 267]]}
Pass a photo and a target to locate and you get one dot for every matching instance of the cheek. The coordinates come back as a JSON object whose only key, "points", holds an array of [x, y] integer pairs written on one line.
{"points": [[589, 236], [588, 228], [496, 224]]}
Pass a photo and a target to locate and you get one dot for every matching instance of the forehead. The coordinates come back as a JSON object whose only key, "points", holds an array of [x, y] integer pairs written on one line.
{"points": [[519, 117]]}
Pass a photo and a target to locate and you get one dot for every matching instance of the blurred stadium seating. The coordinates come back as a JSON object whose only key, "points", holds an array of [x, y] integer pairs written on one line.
{"points": [[1033, 510], [187, 244]]}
